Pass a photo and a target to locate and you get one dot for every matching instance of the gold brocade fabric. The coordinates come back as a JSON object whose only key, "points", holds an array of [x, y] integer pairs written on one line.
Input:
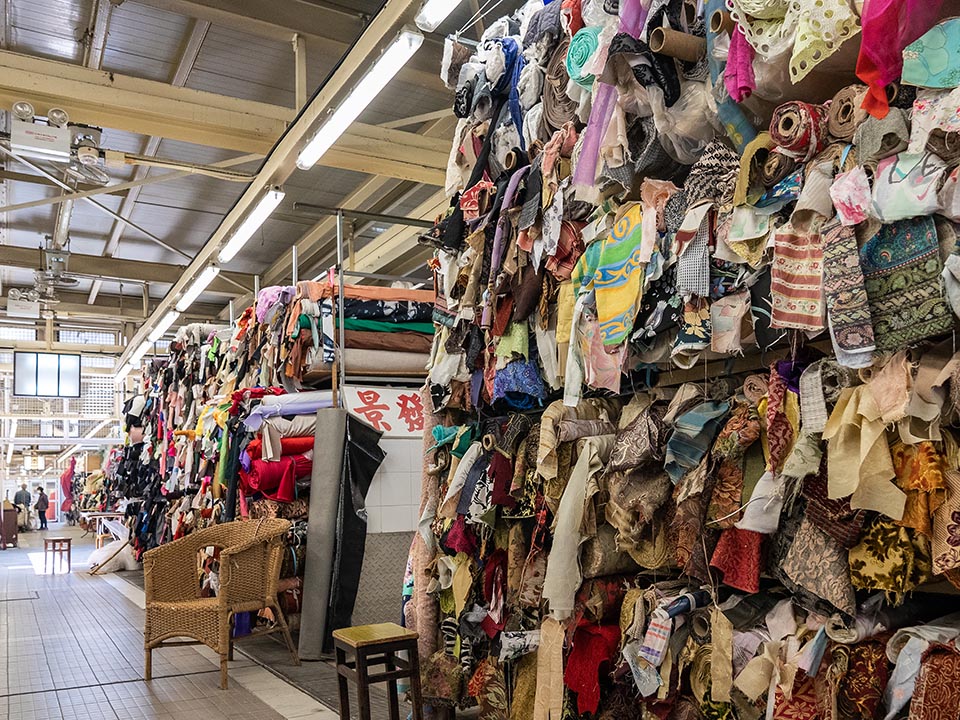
{"points": [[920, 476], [891, 558]]}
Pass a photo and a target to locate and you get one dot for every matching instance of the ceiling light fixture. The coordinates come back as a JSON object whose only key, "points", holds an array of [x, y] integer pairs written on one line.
{"points": [[23, 110], [265, 205], [140, 352], [387, 65], [199, 285], [434, 12], [169, 319], [57, 117]]}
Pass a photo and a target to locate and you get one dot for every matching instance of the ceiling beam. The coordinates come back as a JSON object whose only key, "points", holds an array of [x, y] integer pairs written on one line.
{"points": [[277, 19], [122, 269], [73, 306], [188, 58], [154, 108], [318, 238], [330, 27], [281, 163], [40, 180]]}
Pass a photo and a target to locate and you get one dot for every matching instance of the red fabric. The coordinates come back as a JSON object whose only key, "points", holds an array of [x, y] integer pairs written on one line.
{"points": [[494, 591], [887, 27], [779, 430], [288, 446], [570, 9], [461, 538], [737, 556], [501, 470], [276, 480], [593, 646], [240, 395], [66, 486]]}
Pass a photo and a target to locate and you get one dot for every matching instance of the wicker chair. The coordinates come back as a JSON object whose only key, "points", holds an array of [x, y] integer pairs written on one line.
{"points": [[250, 556]]}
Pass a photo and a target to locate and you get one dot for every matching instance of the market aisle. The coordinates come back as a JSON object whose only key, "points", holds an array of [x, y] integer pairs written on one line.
{"points": [[71, 648]]}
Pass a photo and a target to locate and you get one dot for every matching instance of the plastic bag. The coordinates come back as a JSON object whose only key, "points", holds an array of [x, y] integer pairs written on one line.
{"points": [[123, 560], [687, 127]]}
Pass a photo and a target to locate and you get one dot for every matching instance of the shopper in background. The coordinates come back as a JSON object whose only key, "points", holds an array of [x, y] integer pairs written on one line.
{"points": [[42, 504], [22, 497], [22, 502]]}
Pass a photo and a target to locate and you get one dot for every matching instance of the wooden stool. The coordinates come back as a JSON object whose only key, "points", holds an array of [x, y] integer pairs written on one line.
{"points": [[103, 539], [56, 547], [377, 645]]}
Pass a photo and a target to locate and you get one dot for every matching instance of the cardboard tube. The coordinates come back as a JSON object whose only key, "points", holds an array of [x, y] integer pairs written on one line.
{"points": [[677, 44], [721, 21]]}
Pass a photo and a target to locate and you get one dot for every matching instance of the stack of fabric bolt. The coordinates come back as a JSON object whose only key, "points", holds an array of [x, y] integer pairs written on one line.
{"points": [[625, 201]]}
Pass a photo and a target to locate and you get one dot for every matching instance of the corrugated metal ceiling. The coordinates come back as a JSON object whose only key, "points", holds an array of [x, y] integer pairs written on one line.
{"points": [[145, 42]]}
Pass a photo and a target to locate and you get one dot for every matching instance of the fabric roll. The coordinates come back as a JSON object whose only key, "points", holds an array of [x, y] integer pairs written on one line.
{"points": [[775, 168], [845, 113], [751, 162], [583, 46], [877, 138], [795, 280], [328, 455], [800, 129], [945, 145], [558, 107]]}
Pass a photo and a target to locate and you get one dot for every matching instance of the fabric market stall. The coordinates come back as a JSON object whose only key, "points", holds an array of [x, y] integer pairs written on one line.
{"points": [[691, 412]]}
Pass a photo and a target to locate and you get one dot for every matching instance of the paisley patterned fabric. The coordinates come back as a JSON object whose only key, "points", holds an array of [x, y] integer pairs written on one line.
{"points": [[901, 270], [739, 433], [818, 564], [861, 689], [846, 296]]}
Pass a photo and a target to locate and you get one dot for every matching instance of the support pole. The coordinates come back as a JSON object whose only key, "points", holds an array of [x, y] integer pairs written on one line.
{"points": [[294, 262], [341, 334]]}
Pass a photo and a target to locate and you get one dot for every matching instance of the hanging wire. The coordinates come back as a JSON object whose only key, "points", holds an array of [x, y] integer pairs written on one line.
{"points": [[480, 14]]}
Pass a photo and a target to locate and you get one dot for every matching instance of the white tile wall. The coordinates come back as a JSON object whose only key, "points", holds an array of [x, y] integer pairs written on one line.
{"points": [[393, 501]]}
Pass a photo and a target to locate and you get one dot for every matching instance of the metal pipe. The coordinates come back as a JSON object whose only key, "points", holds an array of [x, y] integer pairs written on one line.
{"points": [[102, 208], [341, 332], [381, 276], [323, 211], [256, 287], [232, 315], [294, 261]]}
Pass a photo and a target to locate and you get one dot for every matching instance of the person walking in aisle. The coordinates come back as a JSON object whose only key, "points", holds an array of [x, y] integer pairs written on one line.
{"points": [[42, 504], [22, 499]]}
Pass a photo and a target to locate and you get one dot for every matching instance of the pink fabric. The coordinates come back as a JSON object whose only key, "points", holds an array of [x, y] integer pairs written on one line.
{"points": [[633, 16], [888, 26], [738, 74]]}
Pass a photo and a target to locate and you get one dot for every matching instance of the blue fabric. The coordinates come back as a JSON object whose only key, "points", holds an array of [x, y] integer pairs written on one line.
{"points": [[692, 436]]}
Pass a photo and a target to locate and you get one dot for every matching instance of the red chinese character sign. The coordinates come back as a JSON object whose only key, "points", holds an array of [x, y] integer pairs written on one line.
{"points": [[394, 412]]}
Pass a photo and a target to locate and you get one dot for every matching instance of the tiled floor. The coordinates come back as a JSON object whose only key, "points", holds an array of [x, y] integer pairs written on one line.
{"points": [[75, 651]]}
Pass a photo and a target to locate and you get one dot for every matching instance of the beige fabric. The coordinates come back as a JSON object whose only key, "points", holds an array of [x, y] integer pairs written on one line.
{"points": [[548, 704], [721, 664], [562, 577], [859, 462]]}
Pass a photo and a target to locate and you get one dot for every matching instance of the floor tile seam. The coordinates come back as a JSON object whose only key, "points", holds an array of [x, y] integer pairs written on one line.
{"points": [[108, 684]]}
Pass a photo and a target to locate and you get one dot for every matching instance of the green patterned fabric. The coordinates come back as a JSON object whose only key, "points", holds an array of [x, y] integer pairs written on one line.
{"points": [[901, 270]]}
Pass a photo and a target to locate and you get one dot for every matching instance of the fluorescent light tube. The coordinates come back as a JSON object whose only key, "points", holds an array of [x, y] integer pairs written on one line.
{"points": [[265, 205], [199, 285], [169, 319], [434, 12], [140, 352], [124, 371], [387, 65]]}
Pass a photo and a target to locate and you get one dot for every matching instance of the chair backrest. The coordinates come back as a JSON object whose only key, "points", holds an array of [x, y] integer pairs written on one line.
{"points": [[250, 562]]}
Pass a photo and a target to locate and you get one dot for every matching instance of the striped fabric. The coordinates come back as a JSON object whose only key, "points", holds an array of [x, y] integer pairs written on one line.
{"points": [[796, 280]]}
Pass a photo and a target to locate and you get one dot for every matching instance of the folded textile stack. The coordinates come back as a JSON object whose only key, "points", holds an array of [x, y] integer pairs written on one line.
{"points": [[626, 201]]}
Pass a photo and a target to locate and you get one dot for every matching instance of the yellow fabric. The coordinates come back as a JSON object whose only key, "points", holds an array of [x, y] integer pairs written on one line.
{"points": [[859, 462], [548, 703]]}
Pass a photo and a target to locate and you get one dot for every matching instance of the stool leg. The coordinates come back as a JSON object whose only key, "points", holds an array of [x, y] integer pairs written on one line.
{"points": [[392, 694], [342, 687], [69, 557], [44, 561], [363, 684], [416, 695]]}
